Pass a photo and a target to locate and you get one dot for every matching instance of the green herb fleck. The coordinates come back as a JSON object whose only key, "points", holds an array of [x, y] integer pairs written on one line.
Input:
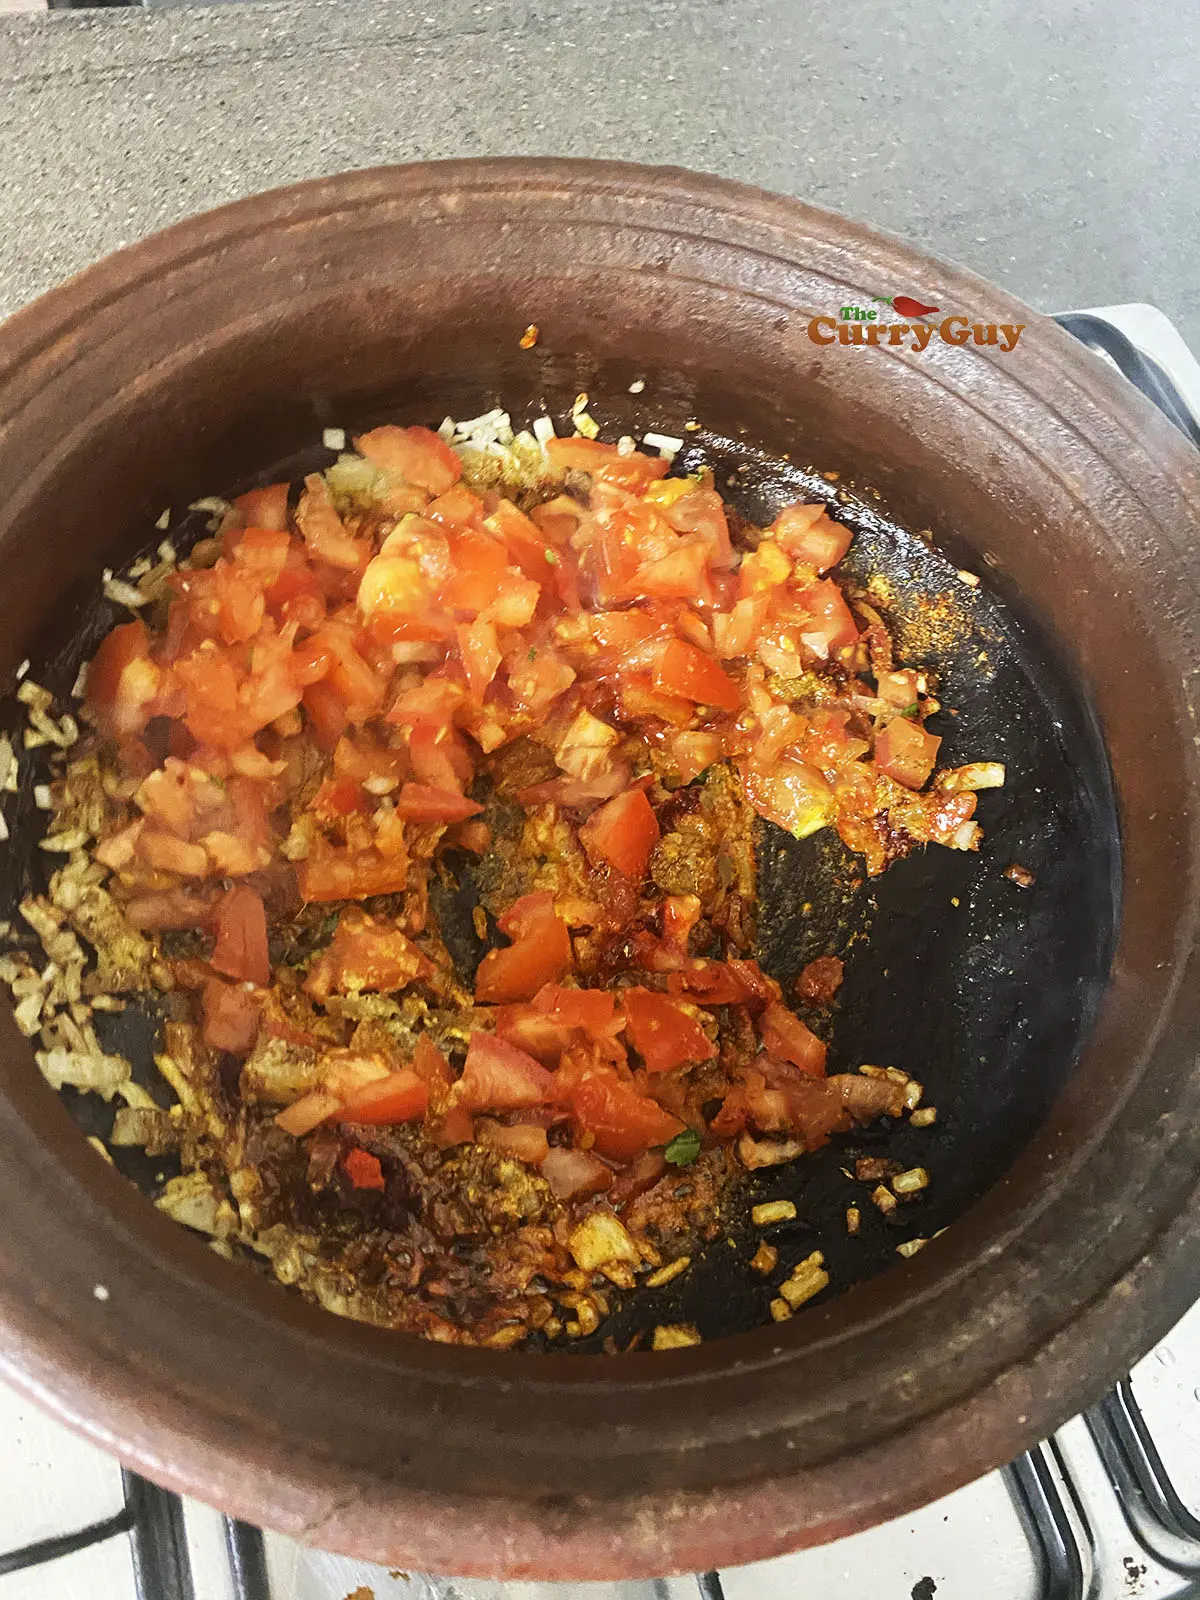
{"points": [[533, 652], [913, 710], [551, 557], [683, 1148]]}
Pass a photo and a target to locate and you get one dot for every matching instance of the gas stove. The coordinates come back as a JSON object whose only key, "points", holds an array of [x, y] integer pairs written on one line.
{"points": [[1109, 1507]]}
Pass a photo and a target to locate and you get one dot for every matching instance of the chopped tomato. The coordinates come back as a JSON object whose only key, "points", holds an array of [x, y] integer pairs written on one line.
{"points": [[572, 1174], [366, 953], [829, 624], [264, 508], [521, 1140], [231, 1016], [241, 947], [364, 1170], [622, 1122], [684, 670], [810, 536], [820, 980], [439, 757], [541, 953], [622, 834], [122, 681], [789, 793], [480, 654], [605, 461], [431, 1066], [906, 753], [400, 1097], [592, 1009], [783, 1034], [307, 1113], [326, 713], [350, 875], [499, 1077], [418, 455], [680, 574], [702, 512], [421, 803], [898, 689], [664, 1031], [693, 753]]}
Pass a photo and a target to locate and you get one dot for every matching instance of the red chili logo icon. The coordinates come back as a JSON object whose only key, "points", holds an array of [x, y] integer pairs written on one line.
{"points": [[907, 307]]}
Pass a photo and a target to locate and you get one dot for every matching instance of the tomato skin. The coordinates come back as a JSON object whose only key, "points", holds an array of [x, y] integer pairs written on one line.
{"points": [[402, 1096], [241, 947], [906, 753], [663, 1033], [684, 670], [783, 1034], [439, 756], [622, 833], [364, 1170], [622, 1122], [431, 1066], [572, 1174], [231, 1017], [480, 654], [541, 953], [522, 1140], [498, 1077]]}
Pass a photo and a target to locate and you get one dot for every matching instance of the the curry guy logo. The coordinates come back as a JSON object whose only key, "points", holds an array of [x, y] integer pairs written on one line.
{"points": [[874, 324]]}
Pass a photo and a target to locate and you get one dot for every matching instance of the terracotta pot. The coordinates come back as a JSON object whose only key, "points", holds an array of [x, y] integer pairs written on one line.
{"points": [[222, 344]]}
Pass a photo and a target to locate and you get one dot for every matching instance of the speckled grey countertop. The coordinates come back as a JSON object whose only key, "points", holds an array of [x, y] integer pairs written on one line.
{"points": [[1050, 147]]}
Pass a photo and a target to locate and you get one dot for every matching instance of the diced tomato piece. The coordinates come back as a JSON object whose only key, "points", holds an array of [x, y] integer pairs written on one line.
{"points": [[702, 512], [499, 1077], [572, 1174], [241, 948], [432, 1068], [307, 1113], [684, 670], [350, 875], [326, 713], [418, 455], [440, 758], [364, 1170], [820, 980], [898, 688], [783, 1034], [681, 574], [829, 624], [400, 1097], [693, 752], [480, 654], [906, 753], [591, 1009], [541, 954], [789, 793], [122, 681], [392, 585], [365, 953], [231, 1016], [604, 461], [541, 1036], [345, 1072], [663, 1032], [458, 507], [264, 508], [809, 535], [623, 834], [420, 803], [622, 1122], [735, 633], [522, 1140], [359, 687]]}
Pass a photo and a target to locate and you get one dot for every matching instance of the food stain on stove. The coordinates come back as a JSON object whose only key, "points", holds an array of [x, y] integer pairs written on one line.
{"points": [[1134, 1573], [924, 1589]]}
